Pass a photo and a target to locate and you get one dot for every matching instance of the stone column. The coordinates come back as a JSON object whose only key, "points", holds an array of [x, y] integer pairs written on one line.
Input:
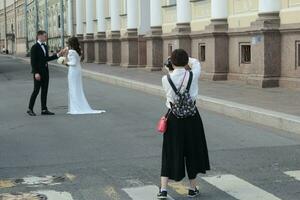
{"points": [[143, 29], [129, 41], [100, 38], [154, 39], [180, 37], [113, 40], [266, 50], [79, 22], [217, 44], [89, 46], [70, 17]]}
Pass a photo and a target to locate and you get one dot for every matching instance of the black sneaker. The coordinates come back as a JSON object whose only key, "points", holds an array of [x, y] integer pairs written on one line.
{"points": [[162, 195], [193, 193], [47, 112], [30, 112]]}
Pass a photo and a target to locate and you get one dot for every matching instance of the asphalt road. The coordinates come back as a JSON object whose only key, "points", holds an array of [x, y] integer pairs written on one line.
{"points": [[97, 156]]}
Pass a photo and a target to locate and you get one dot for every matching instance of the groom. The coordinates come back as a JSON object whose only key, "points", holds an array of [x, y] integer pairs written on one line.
{"points": [[39, 57]]}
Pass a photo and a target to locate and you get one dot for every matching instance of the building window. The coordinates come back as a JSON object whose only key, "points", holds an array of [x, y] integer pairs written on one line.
{"points": [[245, 53], [170, 49], [201, 52], [297, 54]]}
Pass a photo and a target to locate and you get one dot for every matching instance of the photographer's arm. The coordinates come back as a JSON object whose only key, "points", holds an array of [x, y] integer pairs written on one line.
{"points": [[195, 66]]}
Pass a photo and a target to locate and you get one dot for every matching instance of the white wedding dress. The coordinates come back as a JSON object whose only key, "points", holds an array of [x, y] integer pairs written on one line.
{"points": [[77, 100]]}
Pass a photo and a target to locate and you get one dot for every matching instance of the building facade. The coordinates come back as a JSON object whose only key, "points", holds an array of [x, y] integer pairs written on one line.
{"points": [[256, 41], [21, 19]]}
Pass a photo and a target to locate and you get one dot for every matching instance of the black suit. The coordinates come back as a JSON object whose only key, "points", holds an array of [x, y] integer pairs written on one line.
{"points": [[39, 63]]}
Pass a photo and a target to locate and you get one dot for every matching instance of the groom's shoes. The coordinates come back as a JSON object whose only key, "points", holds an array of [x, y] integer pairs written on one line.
{"points": [[31, 113], [47, 112]]}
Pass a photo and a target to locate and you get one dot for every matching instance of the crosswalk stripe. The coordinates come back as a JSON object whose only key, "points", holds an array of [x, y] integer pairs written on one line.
{"points": [[43, 194], [54, 195], [294, 174], [144, 192], [239, 188]]}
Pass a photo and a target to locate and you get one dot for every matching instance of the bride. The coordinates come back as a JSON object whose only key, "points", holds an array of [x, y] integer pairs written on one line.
{"points": [[77, 100]]}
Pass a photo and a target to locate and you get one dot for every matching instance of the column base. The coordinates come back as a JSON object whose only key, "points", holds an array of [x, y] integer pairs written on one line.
{"points": [[217, 25], [263, 82], [267, 21], [114, 49], [154, 44], [89, 48], [100, 48], [130, 49], [214, 76], [182, 28]]}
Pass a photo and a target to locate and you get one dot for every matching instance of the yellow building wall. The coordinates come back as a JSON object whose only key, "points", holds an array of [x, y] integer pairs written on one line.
{"points": [[201, 13], [290, 11], [169, 16], [242, 13]]}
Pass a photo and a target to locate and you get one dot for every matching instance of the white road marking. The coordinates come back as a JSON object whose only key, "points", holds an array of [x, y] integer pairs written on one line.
{"points": [[35, 180], [294, 174], [50, 194], [239, 188], [54, 195], [144, 192]]}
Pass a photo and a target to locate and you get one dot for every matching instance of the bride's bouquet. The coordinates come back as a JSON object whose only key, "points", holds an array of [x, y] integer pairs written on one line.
{"points": [[61, 60]]}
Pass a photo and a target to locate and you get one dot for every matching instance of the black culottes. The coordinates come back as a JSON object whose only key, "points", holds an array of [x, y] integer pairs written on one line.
{"points": [[184, 148]]}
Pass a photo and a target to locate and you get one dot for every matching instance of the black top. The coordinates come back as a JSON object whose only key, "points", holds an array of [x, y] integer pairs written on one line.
{"points": [[39, 61]]}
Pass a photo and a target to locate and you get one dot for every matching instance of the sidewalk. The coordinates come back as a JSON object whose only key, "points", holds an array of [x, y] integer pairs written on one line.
{"points": [[276, 99], [274, 107]]}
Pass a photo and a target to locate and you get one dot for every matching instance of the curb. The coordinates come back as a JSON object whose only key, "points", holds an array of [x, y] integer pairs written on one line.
{"points": [[254, 114]]}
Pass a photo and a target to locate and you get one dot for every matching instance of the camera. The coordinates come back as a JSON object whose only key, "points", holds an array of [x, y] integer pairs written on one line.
{"points": [[168, 64]]}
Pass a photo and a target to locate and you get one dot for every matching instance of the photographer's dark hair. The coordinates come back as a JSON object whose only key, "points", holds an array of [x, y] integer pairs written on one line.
{"points": [[179, 58], [73, 43]]}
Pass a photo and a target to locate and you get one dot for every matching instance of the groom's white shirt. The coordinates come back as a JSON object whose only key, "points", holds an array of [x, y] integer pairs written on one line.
{"points": [[43, 47]]}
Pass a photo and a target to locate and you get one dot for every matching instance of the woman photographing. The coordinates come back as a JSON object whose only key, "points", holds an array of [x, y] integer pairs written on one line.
{"points": [[184, 143]]}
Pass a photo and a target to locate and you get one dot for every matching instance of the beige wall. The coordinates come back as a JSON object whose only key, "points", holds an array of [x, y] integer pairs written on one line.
{"points": [[200, 15], [169, 18], [290, 11]]}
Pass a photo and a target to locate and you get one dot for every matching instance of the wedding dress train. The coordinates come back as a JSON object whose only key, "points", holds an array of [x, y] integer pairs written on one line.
{"points": [[78, 103]]}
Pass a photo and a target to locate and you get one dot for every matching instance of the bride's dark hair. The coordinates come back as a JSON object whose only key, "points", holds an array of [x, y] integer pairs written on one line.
{"points": [[73, 43]]}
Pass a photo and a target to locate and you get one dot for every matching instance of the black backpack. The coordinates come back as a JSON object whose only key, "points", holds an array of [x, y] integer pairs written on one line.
{"points": [[184, 106]]}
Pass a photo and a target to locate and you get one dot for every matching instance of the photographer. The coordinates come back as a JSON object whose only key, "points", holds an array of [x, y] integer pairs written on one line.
{"points": [[184, 143]]}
